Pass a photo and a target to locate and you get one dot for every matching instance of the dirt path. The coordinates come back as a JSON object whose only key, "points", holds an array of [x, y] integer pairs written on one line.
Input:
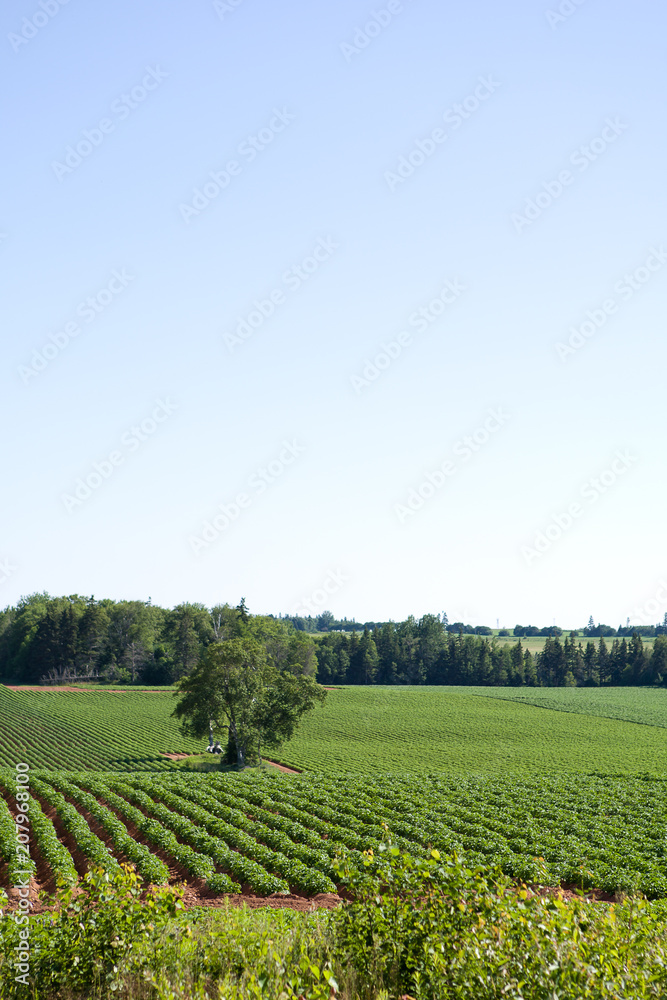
{"points": [[51, 688], [281, 767]]}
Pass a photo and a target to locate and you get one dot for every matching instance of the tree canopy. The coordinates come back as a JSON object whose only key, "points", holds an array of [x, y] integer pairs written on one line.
{"points": [[251, 686]]}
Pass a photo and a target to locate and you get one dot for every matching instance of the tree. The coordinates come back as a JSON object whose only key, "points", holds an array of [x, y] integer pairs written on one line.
{"points": [[529, 671], [516, 657], [637, 661], [44, 658], [325, 621], [591, 674], [250, 686], [131, 637], [187, 629], [552, 663], [93, 626], [659, 660], [603, 661]]}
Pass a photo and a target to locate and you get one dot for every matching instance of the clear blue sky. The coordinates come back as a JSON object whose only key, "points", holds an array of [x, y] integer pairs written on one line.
{"points": [[448, 191]]}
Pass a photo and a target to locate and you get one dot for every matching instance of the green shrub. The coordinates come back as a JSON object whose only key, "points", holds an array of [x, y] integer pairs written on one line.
{"points": [[431, 929], [435, 929]]}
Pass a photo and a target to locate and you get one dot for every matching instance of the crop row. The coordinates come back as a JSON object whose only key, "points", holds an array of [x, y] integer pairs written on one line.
{"points": [[302, 804], [272, 832], [291, 839], [298, 875], [212, 849], [88, 843], [18, 864], [162, 836], [43, 834], [148, 865], [509, 824], [90, 730]]}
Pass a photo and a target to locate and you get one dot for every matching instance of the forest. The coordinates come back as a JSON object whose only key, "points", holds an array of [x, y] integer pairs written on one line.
{"points": [[47, 639]]}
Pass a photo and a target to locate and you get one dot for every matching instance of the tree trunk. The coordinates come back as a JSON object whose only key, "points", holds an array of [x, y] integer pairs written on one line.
{"points": [[240, 752]]}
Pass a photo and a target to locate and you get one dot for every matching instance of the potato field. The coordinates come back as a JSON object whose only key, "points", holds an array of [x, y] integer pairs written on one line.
{"points": [[550, 792]]}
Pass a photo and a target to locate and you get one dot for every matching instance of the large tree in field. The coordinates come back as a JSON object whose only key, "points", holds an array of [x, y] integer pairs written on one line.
{"points": [[253, 684]]}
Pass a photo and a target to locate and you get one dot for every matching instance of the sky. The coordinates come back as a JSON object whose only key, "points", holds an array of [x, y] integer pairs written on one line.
{"points": [[353, 307]]}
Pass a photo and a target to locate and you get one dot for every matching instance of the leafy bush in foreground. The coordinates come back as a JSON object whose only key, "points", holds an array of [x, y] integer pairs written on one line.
{"points": [[433, 928], [430, 929]]}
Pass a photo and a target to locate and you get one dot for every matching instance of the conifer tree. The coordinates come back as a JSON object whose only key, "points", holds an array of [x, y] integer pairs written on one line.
{"points": [[603, 663]]}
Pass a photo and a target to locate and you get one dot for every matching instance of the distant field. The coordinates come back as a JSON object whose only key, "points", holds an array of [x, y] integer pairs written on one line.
{"points": [[647, 706], [416, 730], [100, 729], [472, 730], [535, 643]]}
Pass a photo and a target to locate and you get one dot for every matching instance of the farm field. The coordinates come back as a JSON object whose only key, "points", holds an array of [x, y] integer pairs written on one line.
{"points": [[98, 729], [262, 834], [361, 730], [464, 730], [535, 643], [501, 775], [645, 706]]}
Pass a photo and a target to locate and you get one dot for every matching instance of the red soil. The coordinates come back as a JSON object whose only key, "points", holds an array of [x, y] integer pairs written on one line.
{"points": [[281, 767]]}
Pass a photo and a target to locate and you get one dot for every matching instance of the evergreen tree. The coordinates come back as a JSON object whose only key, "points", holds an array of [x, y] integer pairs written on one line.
{"points": [[344, 666], [516, 675], [591, 674], [43, 657], [91, 637], [552, 666], [431, 636], [389, 654], [529, 670], [618, 659], [501, 665], [186, 643], [367, 659], [603, 662], [658, 669], [483, 672], [67, 640], [637, 661]]}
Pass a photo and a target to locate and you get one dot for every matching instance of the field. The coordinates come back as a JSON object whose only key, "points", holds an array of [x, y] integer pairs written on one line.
{"points": [[552, 785], [371, 730], [535, 643], [639, 705], [224, 833], [555, 788], [472, 730], [125, 731]]}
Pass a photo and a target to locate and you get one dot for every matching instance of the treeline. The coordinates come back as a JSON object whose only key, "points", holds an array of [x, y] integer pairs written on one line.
{"points": [[60, 639], [425, 652], [326, 622], [70, 638]]}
